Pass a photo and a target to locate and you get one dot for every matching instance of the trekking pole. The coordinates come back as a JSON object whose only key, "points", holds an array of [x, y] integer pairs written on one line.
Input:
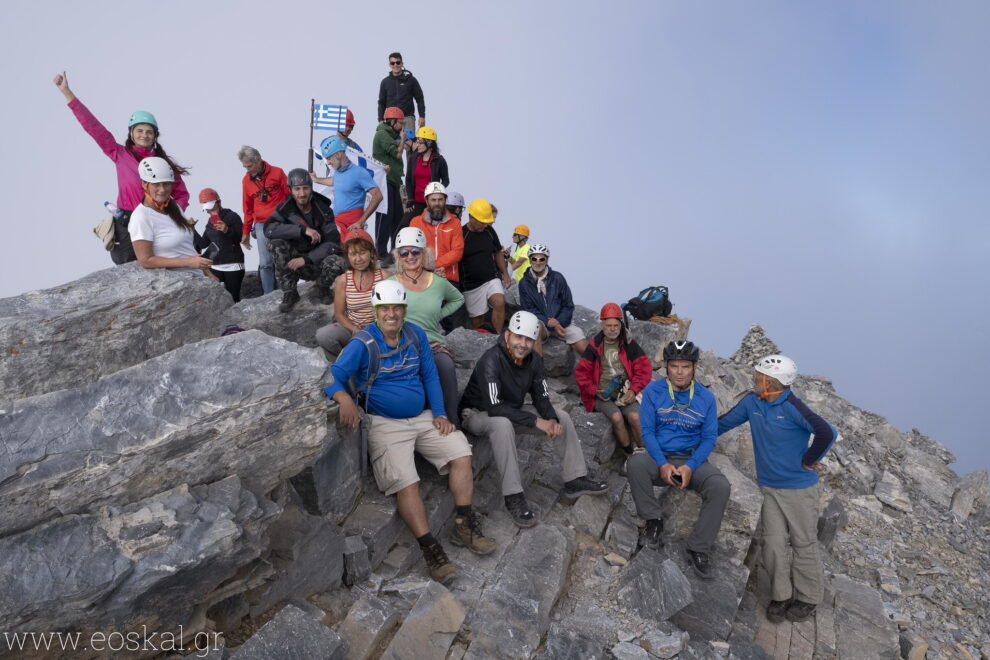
{"points": [[312, 114]]}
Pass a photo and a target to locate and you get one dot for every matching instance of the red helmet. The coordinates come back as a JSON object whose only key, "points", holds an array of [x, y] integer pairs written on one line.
{"points": [[610, 311], [208, 195], [393, 113], [350, 118], [356, 234]]}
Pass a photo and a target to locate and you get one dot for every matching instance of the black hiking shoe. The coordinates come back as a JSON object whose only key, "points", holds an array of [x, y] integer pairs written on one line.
{"points": [[440, 567], [652, 536], [518, 508], [289, 300], [800, 611], [777, 610], [701, 562], [575, 488]]}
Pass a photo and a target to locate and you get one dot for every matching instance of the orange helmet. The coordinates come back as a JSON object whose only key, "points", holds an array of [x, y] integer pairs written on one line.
{"points": [[393, 113], [358, 234], [350, 118], [610, 311], [208, 195]]}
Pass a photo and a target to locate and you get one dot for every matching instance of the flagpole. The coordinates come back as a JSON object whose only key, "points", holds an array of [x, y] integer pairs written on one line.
{"points": [[312, 113]]}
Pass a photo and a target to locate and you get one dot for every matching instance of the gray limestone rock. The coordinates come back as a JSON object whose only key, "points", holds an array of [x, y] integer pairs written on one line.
{"points": [[929, 475], [299, 325], [357, 567], [564, 643], [832, 520], [661, 645], [337, 473], [972, 494], [292, 634], [429, 628], [367, 624], [74, 333], [654, 587], [622, 534], [246, 404], [590, 514], [558, 358], [891, 492], [629, 651], [652, 337], [755, 345], [862, 628], [468, 345], [513, 613], [595, 433]]}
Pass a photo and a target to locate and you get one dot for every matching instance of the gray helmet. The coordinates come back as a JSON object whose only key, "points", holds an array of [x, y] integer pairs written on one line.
{"points": [[299, 177], [454, 198], [681, 349]]}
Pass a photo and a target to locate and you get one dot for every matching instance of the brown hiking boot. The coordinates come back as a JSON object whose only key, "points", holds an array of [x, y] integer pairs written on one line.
{"points": [[440, 567], [467, 534]]}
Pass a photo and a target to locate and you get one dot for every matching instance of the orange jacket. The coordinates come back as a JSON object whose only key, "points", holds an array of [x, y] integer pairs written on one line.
{"points": [[446, 239], [276, 187]]}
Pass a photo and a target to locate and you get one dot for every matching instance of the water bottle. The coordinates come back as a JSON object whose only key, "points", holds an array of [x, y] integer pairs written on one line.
{"points": [[114, 211]]}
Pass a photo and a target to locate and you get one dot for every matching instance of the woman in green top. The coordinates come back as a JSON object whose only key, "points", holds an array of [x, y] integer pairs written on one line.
{"points": [[429, 298]]}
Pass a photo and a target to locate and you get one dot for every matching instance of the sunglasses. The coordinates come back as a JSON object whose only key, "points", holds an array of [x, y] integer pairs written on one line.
{"points": [[415, 252], [537, 260], [393, 63]]}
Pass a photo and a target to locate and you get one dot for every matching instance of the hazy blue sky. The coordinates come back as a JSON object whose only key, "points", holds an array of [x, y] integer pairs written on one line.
{"points": [[820, 168]]}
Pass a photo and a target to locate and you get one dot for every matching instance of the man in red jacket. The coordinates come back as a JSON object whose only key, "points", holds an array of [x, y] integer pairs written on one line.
{"points": [[264, 187], [612, 371]]}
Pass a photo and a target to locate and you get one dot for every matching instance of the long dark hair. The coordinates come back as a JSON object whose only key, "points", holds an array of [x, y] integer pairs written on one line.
{"points": [[432, 145], [159, 151]]}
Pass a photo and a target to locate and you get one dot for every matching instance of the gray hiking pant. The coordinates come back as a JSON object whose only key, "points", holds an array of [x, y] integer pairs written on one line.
{"points": [[643, 473], [501, 433], [332, 338], [792, 513], [448, 384]]}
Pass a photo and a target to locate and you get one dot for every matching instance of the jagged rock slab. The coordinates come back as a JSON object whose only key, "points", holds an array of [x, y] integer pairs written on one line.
{"points": [[590, 514], [662, 645], [513, 613], [654, 587], [564, 643], [622, 534], [468, 345], [246, 404], [629, 651], [152, 562], [595, 432], [299, 325], [833, 520], [862, 628], [429, 628], [972, 495], [558, 358], [357, 566], [294, 635], [109, 320], [891, 492], [930, 476], [337, 473], [652, 337], [366, 625]]}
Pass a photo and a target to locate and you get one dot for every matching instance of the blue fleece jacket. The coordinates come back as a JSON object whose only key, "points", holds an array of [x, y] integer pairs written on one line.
{"points": [[404, 379], [780, 430], [674, 427]]}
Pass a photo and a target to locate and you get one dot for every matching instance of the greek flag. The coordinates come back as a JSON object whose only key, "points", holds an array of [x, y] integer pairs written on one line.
{"points": [[329, 117], [374, 167]]}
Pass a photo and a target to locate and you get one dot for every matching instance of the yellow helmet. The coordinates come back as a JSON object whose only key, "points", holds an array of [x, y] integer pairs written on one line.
{"points": [[426, 133], [481, 210], [522, 230]]}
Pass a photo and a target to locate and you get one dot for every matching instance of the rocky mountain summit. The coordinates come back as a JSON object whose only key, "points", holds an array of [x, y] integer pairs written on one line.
{"points": [[194, 491]]}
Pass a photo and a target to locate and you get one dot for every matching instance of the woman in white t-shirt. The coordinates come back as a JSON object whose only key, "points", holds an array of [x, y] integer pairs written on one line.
{"points": [[161, 236]]}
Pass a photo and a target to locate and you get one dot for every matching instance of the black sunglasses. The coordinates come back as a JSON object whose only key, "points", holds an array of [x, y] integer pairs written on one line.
{"points": [[411, 251], [538, 260], [395, 63]]}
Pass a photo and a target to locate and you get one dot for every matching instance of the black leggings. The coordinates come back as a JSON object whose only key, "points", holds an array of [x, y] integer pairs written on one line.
{"points": [[231, 281]]}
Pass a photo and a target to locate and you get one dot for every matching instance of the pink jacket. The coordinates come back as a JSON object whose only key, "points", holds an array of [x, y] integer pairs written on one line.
{"points": [[129, 190]]}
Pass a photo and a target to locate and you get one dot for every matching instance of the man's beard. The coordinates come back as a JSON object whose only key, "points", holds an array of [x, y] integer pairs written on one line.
{"points": [[437, 214]]}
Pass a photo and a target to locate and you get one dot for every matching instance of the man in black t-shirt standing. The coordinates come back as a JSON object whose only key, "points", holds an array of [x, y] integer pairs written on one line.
{"points": [[484, 274]]}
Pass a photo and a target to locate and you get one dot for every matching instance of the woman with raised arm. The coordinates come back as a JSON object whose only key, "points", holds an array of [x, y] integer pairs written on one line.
{"points": [[141, 142]]}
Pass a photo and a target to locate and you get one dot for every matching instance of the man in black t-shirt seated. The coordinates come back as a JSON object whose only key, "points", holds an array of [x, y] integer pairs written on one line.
{"points": [[484, 274]]}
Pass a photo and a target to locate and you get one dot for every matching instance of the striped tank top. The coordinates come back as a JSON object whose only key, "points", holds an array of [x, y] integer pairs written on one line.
{"points": [[358, 302]]}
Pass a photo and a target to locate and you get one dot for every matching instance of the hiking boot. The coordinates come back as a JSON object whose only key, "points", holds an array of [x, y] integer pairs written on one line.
{"points": [[777, 610], [800, 611], [440, 567], [518, 508], [289, 300], [467, 534], [652, 534], [702, 564], [575, 488]]}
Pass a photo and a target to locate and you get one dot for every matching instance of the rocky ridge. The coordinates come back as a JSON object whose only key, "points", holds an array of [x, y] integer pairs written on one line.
{"points": [[155, 476]]}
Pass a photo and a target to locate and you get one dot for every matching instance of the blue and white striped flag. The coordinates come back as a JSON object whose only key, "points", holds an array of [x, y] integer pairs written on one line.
{"points": [[374, 167], [329, 117]]}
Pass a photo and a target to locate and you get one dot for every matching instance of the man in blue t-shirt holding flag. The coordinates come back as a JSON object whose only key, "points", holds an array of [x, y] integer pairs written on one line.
{"points": [[679, 420], [780, 424]]}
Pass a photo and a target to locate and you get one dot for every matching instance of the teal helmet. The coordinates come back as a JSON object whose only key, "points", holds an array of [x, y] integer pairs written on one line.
{"points": [[142, 117], [332, 145]]}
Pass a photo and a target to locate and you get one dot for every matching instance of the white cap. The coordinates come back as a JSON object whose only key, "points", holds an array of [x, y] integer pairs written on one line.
{"points": [[209, 205]]}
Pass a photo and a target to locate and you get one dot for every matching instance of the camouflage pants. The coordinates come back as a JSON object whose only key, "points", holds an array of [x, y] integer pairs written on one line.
{"points": [[324, 272]]}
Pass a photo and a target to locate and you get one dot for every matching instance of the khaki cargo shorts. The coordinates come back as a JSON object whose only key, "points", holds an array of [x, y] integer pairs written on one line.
{"points": [[392, 443]]}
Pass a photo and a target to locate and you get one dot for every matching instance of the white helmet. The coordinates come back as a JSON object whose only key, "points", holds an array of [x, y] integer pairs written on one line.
{"points": [[540, 248], [455, 199], [155, 170], [434, 187], [525, 324], [388, 292], [410, 237], [780, 367]]}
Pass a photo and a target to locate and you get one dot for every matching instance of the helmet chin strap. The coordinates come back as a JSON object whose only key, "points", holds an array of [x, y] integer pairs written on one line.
{"points": [[765, 393]]}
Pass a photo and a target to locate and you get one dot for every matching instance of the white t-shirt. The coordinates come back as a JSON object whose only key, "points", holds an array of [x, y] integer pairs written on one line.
{"points": [[167, 240]]}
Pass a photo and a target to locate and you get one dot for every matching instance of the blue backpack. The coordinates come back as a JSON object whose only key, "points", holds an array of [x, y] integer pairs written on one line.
{"points": [[651, 301]]}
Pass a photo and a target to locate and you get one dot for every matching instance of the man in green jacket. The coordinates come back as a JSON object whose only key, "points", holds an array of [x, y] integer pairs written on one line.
{"points": [[387, 148]]}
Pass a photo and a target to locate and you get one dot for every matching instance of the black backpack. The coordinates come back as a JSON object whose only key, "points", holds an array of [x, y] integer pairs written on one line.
{"points": [[651, 301]]}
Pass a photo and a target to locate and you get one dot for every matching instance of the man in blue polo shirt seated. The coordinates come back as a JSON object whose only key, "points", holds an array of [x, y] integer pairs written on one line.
{"points": [[781, 424], [679, 420], [352, 185], [399, 423]]}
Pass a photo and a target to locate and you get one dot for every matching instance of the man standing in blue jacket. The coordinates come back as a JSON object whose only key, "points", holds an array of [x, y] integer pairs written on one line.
{"points": [[545, 293], [679, 421], [406, 414], [780, 424]]}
